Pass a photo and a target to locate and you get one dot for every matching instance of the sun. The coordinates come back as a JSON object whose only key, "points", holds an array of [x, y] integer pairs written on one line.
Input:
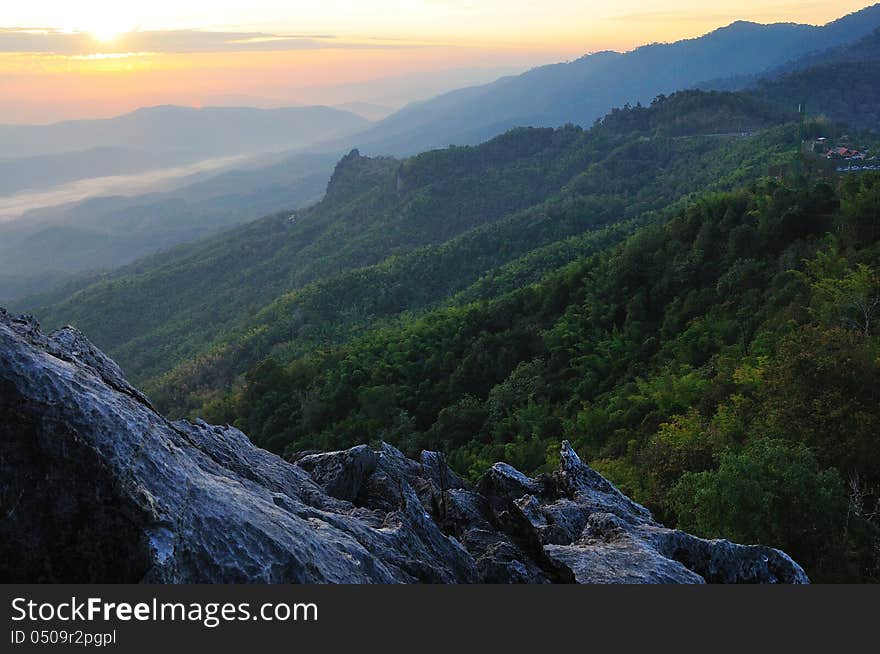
{"points": [[107, 34], [109, 28]]}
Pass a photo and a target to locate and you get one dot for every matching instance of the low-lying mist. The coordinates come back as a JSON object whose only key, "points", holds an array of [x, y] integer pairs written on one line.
{"points": [[15, 205]]}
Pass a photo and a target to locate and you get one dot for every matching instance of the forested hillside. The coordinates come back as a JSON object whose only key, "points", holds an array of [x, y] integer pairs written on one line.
{"points": [[846, 92], [722, 368], [840, 83], [394, 236], [374, 208]]}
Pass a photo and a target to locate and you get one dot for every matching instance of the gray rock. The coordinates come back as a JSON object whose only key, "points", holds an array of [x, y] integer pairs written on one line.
{"points": [[506, 482], [723, 562], [341, 474], [96, 486], [620, 562], [592, 491], [499, 559], [608, 552], [613, 550], [435, 469]]}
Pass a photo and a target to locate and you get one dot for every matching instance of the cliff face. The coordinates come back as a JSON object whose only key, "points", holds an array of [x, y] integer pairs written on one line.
{"points": [[96, 486]]}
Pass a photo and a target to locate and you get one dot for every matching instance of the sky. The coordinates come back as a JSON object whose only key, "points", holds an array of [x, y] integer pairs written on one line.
{"points": [[62, 59]]}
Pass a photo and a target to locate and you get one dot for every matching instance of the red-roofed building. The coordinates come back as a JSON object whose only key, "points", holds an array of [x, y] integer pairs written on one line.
{"points": [[844, 153]]}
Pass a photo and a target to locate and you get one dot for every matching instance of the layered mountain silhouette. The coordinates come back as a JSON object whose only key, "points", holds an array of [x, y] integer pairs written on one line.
{"points": [[210, 131], [583, 90]]}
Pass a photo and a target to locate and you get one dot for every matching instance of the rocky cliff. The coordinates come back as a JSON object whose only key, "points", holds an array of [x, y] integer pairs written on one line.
{"points": [[96, 486]]}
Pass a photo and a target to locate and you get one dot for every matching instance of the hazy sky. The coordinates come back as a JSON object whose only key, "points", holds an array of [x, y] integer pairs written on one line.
{"points": [[63, 58]]}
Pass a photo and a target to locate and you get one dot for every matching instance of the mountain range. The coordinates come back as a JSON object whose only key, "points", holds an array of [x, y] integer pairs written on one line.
{"points": [[577, 93], [391, 210], [583, 90], [684, 289], [386, 217]]}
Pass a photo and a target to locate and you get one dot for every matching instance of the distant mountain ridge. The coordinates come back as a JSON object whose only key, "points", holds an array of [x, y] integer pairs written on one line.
{"points": [[210, 131], [864, 49], [585, 89], [840, 83], [551, 95]]}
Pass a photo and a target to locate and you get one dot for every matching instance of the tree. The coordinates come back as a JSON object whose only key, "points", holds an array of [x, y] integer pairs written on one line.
{"points": [[852, 298], [687, 443], [821, 390], [860, 206], [773, 493]]}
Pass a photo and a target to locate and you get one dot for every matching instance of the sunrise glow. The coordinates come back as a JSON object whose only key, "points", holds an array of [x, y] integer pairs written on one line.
{"points": [[273, 54], [108, 33]]}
